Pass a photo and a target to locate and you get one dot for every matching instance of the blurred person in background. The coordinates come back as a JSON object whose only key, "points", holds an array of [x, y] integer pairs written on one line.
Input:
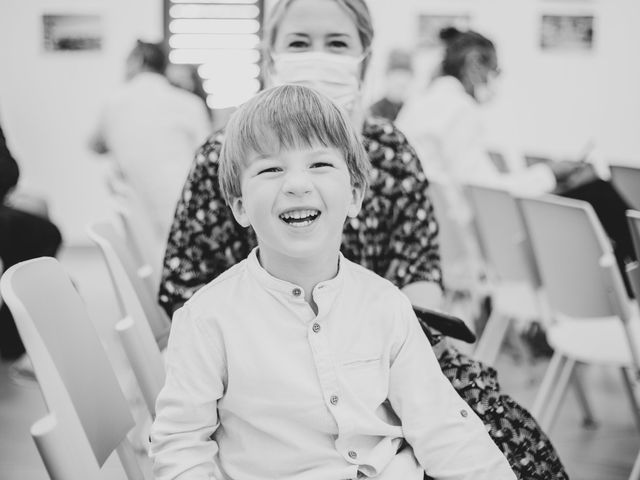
{"points": [[23, 236], [398, 81], [326, 45], [152, 129], [445, 125], [186, 76]]}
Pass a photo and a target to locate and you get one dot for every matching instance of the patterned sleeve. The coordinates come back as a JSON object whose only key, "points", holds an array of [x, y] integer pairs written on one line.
{"points": [[413, 242], [205, 239]]}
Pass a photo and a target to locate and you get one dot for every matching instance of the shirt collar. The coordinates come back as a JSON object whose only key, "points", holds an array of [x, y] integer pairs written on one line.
{"points": [[289, 289]]}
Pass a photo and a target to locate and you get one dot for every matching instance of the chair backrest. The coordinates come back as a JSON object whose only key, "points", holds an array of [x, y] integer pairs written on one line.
{"points": [[627, 180], [633, 218], [133, 293], [144, 330], [505, 243], [88, 411], [457, 236], [146, 248], [633, 269], [574, 257]]}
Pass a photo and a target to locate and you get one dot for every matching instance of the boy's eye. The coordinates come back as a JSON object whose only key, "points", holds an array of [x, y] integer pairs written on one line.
{"points": [[321, 164], [270, 170]]}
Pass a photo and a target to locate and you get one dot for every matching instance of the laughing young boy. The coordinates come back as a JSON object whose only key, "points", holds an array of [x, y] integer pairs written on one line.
{"points": [[297, 363]]}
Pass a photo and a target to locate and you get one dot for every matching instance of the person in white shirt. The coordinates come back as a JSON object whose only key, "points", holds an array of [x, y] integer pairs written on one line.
{"points": [[445, 125], [152, 130], [297, 363]]}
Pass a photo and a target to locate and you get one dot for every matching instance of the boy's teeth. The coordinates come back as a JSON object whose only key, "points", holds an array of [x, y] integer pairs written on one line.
{"points": [[300, 216]]}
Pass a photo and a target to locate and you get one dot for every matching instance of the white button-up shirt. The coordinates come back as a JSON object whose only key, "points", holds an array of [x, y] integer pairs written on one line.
{"points": [[288, 394]]}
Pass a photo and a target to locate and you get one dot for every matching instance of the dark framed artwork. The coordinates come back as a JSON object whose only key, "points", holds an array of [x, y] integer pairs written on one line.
{"points": [[72, 32], [566, 32]]}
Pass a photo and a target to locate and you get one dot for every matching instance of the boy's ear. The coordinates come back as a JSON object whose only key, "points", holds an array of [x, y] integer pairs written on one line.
{"points": [[239, 212], [357, 195]]}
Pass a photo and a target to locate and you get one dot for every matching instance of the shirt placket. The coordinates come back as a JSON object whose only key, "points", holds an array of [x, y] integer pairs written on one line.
{"points": [[317, 335]]}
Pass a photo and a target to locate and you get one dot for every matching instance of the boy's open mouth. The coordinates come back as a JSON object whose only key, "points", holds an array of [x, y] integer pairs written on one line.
{"points": [[300, 218]]}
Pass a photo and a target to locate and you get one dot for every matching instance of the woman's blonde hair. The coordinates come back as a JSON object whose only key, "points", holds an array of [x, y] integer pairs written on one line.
{"points": [[284, 118]]}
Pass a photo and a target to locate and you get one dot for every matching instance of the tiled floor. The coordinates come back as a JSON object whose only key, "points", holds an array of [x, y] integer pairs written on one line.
{"points": [[604, 453]]}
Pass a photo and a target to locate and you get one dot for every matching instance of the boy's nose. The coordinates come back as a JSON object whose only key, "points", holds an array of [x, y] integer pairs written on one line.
{"points": [[297, 183]]}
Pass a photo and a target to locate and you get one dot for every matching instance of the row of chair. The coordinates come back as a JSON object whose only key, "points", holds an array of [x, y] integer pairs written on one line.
{"points": [[549, 258], [555, 246], [89, 417]]}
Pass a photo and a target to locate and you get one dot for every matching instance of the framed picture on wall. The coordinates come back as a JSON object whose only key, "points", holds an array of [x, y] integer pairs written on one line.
{"points": [[429, 26], [72, 32], [566, 32]]}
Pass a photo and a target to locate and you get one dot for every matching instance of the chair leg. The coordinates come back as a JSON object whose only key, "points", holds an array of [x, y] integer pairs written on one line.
{"points": [[558, 395], [488, 346], [128, 459], [588, 420], [635, 471], [553, 407], [628, 383], [548, 382]]}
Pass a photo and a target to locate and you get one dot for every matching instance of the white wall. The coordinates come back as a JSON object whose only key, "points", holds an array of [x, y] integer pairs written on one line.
{"points": [[551, 103], [49, 101]]}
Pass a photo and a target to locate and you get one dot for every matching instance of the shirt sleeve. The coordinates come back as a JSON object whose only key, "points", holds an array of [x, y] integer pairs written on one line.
{"points": [[205, 239], [464, 144], [448, 439], [186, 408]]}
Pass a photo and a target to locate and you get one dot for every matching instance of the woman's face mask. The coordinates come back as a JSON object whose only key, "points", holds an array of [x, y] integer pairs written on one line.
{"points": [[486, 91], [336, 76]]}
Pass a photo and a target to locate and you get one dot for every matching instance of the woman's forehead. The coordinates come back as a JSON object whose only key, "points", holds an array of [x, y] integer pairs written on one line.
{"points": [[317, 17]]}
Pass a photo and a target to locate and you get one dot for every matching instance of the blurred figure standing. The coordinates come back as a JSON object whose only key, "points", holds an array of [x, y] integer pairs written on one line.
{"points": [[398, 79], [152, 129], [23, 236], [186, 76]]}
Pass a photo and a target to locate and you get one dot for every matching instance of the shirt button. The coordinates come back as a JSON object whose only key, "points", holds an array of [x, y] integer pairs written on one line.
{"points": [[352, 454], [464, 413], [333, 399], [315, 328], [296, 292]]}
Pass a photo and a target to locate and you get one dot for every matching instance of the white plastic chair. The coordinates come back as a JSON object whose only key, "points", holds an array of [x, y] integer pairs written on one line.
{"points": [[513, 275], [460, 255], [627, 180], [138, 308], [633, 273], [89, 417], [146, 246], [595, 322]]}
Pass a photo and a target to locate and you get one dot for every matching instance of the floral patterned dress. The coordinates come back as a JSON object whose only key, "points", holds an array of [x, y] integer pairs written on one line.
{"points": [[395, 235]]}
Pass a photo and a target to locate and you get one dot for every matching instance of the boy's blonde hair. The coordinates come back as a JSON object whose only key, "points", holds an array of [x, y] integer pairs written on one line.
{"points": [[284, 118]]}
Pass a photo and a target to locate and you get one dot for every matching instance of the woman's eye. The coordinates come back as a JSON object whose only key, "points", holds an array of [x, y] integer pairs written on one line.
{"points": [[297, 44], [338, 44]]}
